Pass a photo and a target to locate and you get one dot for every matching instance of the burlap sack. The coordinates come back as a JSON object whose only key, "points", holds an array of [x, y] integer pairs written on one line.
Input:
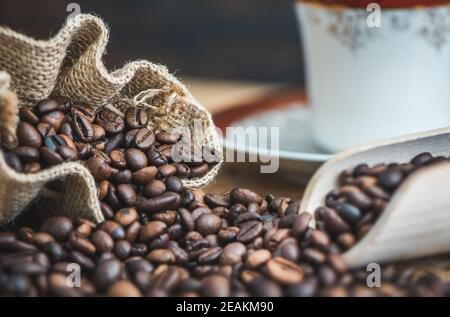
{"points": [[70, 64]]}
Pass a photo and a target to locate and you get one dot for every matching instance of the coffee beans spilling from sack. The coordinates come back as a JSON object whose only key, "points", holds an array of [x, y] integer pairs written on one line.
{"points": [[233, 244], [132, 166]]}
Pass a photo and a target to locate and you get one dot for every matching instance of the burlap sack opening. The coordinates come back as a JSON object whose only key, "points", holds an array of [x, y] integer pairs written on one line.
{"points": [[70, 65]]}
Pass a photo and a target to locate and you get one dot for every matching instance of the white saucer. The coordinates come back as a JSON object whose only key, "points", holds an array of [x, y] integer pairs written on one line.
{"points": [[299, 157]]}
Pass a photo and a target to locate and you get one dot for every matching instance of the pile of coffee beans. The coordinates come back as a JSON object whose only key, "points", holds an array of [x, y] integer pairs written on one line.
{"points": [[132, 166], [161, 239]]}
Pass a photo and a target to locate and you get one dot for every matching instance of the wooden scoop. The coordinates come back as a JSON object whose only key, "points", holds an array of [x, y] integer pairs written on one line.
{"points": [[416, 222]]}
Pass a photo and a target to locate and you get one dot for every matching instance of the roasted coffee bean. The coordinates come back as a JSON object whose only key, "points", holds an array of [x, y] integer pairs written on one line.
{"points": [[107, 272], [81, 243], [110, 121], [45, 129], [99, 168], [258, 258], [215, 286], [209, 256], [199, 171], [356, 197], [67, 153], [284, 271], [334, 222], [145, 175], [28, 135], [349, 213], [14, 162], [165, 171], [122, 249], [208, 224], [54, 118], [122, 177], [390, 179], [115, 141], [154, 188], [422, 159], [314, 256], [27, 115], [174, 184], [99, 132], [135, 159], [245, 196], [156, 158], [152, 230], [182, 170], [143, 139], [82, 128], [27, 154], [126, 194], [167, 138], [118, 159], [136, 117], [168, 200], [58, 227], [246, 216], [47, 105], [102, 241], [249, 231], [164, 256], [113, 229]]}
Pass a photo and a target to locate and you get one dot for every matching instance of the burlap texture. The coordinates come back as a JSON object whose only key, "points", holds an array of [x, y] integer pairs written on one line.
{"points": [[70, 64]]}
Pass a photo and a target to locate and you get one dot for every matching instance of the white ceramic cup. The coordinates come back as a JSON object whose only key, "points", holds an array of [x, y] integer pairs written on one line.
{"points": [[367, 83]]}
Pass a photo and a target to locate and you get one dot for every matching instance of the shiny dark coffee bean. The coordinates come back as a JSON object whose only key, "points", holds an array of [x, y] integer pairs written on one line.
{"points": [[28, 135], [136, 117], [27, 115], [110, 121], [54, 118], [135, 159], [145, 175], [249, 231], [99, 168], [126, 194], [82, 128], [58, 227], [27, 154], [168, 200], [143, 139]]}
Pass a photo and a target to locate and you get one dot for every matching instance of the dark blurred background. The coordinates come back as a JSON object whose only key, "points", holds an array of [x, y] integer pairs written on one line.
{"points": [[246, 39]]}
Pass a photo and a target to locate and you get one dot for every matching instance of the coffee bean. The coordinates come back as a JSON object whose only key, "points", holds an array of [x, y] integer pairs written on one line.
{"points": [[27, 154], [54, 118], [122, 249], [161, 256], [349, 212], [136, 117], [258, 258], [152, 230], [67, 153], [126, 216], [174, 184], [110, 121], [215, 286], [99, 168], [113, 229], [58, 227], [156, 158], [422, 159], [168, 200], [245, 196], [390, 179], [126, 194], [334, 222], [136, 159], [209, 256], [145, 175], [320, 239], [45, 129], [27, 115], [284, 271], [82, 128], [118, 159], [13, 162], [28, 135], [249, 231], [143, 139], [154, 188], [81, 243], [107, 272], [356, 197], [123, 289], [165, 171], [122, 177], [83, 260], [102, 241], [314, 256], [208, 224], [47, 105]]}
